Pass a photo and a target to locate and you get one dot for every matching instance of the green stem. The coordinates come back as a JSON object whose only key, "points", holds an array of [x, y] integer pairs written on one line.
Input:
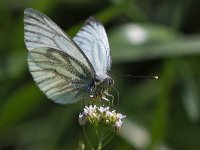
{"points": [[108, 139], [100, 143], [107, 135], [88, 141], [100, 135]]}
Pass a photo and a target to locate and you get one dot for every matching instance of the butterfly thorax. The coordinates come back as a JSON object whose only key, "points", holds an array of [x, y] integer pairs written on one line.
{"points": [[101, 88]]}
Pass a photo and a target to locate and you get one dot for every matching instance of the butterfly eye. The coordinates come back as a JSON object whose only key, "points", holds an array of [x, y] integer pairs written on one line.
{"points": [[93, 86], [109, 81]]}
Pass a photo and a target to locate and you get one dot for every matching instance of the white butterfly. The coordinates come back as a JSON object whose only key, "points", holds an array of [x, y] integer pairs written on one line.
{"points": [[68, 70]]}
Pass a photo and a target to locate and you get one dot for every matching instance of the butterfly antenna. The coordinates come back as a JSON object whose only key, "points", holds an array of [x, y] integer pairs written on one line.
{"points": [[142, 77], [136, 76]]}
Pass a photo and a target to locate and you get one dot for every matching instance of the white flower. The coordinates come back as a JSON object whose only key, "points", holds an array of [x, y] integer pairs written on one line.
{"points": [[120, 116], [102, 109], [101, 116], [89, 110], [93, 108], [118, 125], [109, 114], [113, 111]]}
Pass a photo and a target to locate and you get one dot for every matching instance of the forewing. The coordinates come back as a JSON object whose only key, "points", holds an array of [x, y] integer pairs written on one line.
{"points": [[40, 31], [93, 41], [61, 77]]}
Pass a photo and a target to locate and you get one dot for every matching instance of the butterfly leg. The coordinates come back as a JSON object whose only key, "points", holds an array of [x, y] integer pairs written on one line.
{"points": [[106, 99], [112, 98]]}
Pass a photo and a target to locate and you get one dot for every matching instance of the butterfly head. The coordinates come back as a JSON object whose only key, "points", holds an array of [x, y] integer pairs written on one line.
{"points": [[104, 81], [107, 83], [101, 87]]}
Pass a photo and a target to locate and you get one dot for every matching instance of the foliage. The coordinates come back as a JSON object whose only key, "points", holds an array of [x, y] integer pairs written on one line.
{"points": [[146, 38]]}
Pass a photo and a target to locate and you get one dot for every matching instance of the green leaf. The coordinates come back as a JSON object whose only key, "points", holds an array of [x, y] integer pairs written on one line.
{"points": [[19, 105], [189, 93], [133, 42]]}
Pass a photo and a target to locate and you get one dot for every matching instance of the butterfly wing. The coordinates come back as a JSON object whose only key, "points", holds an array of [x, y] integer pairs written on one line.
{"points": [[93, 41], [58, 66], [61, 77], [41, 31]]}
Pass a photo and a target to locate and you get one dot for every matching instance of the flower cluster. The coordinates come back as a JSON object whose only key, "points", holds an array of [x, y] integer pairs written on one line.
{"points": [[101, 116]]}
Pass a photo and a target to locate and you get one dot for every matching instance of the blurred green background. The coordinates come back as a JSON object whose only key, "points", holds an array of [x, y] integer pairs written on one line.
{"points": [[147, 37]]}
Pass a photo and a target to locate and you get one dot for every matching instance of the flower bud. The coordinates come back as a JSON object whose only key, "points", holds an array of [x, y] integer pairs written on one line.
{"points": [[81, 119], [118, 125]]}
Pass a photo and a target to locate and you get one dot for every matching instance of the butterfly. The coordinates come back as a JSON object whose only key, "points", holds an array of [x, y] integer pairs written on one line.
{"points": [[68, 70]]}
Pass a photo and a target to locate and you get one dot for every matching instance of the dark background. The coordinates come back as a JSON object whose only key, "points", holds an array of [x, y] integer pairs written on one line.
{"points": [[147, 37]]}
